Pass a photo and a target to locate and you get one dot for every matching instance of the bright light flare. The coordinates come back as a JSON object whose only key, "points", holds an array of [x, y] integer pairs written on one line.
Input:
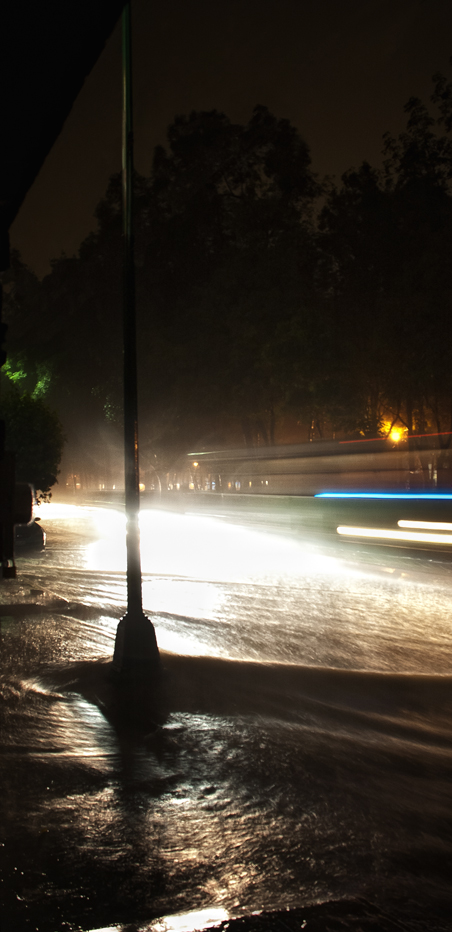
{"points": [[394, 432], [211, 549], [388, 534], [55, 511], [201, 547]]}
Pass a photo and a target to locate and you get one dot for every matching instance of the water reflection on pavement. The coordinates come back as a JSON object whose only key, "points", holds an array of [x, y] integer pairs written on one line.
{"points": [[303, 753]]}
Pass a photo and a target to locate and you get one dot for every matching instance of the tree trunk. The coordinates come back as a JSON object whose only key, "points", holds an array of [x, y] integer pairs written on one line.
{"points": [[262, 431], [247, 431]]}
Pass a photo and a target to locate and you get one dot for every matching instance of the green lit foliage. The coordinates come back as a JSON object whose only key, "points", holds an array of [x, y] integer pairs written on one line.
{"points": [[29, 365], [34, 433], [14, 370], [36, 378], [43, 380]]}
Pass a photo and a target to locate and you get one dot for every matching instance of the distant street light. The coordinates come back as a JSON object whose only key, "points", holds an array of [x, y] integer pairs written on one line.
{"points": [[136, 644]]}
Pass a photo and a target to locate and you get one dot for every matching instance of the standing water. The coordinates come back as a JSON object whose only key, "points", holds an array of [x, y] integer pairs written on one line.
{"points": [[303, 754]]}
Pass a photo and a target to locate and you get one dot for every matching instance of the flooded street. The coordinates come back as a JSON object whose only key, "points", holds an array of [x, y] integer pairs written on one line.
{"points": [[302, 752]]}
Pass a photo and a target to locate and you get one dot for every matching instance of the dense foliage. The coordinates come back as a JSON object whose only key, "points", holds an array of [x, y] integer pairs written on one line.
{"points": [[263, 296], [34, 433]]}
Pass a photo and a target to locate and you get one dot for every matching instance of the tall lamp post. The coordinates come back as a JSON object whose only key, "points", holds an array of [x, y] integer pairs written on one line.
{"points": [[136, 644]]}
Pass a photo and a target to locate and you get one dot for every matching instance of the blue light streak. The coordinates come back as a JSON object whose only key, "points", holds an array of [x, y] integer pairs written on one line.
{"points": [[407, 496]]}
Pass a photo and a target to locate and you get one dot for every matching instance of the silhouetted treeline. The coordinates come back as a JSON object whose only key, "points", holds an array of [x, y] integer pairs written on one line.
{"points": [[263, 294]]}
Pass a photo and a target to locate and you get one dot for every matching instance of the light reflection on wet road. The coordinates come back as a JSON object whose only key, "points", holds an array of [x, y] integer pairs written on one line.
{"points": [[221, 590], [280, 774]]}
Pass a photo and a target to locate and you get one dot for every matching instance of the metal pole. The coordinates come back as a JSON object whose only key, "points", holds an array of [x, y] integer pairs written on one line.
{"points": [[135, 645]]}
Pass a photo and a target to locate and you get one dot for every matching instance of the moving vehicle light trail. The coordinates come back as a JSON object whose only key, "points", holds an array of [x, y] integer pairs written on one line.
{"points": [[427, 525], [388, 534], [413, 531]]}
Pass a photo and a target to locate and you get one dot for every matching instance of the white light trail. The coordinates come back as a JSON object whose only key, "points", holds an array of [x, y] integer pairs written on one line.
{"points": [[427, 525], [388, 534]]}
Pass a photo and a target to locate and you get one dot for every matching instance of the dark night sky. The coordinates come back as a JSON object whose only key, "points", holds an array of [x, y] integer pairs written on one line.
{"points": [[340, 70]]}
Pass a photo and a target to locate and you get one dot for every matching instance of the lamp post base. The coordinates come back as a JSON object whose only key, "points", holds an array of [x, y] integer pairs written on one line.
{"points": [[136, 646]]}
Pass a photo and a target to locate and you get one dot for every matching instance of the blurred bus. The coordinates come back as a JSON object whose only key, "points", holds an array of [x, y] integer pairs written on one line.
{"points": [[420, 462]]}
